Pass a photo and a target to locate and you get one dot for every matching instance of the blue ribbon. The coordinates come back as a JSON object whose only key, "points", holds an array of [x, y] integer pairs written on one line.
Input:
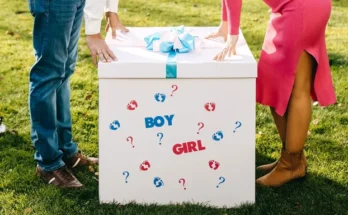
{"points": [[188, 44], [171, 70]]}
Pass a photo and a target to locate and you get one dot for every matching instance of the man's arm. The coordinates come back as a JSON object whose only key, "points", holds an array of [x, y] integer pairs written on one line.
{"points": [[93, 14], [112, 20], [111, 6]]}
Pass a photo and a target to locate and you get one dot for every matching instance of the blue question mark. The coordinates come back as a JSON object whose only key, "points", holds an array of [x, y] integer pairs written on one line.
{"points": [[239, 124], [222, 180], [160, 135], [126, 173]]}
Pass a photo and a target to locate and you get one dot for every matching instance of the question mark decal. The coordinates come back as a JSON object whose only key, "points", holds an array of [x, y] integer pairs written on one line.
{"points": [[175, 89], [160, 135], [130, 139], [126, 173], [201, 125], [182, 181], [239, 124], [222, 180]]}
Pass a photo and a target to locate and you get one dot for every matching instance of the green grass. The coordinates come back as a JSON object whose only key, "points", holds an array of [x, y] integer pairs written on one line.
{"points": [[324, 191]]}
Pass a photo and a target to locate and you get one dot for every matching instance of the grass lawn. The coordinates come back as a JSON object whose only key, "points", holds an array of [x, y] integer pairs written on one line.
{"points": [[324, 190]]}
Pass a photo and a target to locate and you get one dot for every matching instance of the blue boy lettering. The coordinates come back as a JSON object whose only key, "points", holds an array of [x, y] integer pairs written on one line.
{"points": [[169, 119], [149, 122], [159, 121]]}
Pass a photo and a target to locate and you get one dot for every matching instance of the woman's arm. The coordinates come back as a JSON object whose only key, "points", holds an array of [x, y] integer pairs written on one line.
{"points": [[223, 11], [233, 11], [233, 8]]}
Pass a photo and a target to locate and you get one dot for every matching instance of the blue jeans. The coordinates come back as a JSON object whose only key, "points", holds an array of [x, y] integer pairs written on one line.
{"points": [[57, 25]]}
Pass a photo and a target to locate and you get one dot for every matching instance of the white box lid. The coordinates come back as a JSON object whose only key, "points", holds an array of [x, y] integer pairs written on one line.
{"points": [[135, 61]]}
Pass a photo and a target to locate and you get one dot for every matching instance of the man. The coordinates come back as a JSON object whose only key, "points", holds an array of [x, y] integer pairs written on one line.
{"points": [[55, 39], [93, 17]]}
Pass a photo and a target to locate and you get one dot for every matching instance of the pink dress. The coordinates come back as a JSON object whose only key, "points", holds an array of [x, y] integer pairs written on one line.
{"points": [[292, 29]]}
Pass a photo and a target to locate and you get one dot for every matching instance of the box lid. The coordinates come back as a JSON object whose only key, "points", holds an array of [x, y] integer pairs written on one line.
{"points": [[135, 61]]}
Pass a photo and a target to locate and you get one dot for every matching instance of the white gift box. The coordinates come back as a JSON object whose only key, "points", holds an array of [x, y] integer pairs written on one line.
{"points": [[175, 140]]}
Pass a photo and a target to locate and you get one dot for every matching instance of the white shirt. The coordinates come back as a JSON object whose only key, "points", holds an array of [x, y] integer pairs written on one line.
{"points": [[94, 13]]}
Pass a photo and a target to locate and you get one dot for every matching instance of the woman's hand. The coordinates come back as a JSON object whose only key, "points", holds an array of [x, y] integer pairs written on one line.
{"points": [[229, 49], [220, 32]]}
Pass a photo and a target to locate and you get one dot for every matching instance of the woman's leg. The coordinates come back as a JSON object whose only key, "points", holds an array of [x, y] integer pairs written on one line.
{"points": [[292, 165], [280, 122], [300, 105]]}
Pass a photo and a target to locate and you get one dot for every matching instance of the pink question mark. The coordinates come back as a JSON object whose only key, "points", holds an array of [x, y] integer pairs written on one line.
{"points": [[130, 139], [201, 125], [175, 89], [183, 182]]}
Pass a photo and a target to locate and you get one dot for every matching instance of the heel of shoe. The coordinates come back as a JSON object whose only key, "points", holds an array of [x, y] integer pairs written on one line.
{"points": [[301, 178], [37, 171], [267, 167]]}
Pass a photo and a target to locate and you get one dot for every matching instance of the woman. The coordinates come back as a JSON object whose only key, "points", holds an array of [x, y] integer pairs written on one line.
{"points": [[293, 67]]}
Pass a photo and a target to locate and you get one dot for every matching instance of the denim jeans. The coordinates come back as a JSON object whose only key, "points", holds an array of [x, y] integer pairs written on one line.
{"points": [[56, 32]]}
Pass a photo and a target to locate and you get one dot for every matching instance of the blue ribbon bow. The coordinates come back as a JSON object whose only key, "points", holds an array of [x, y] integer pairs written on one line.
{"points": [[179, 42], [186, 40]]}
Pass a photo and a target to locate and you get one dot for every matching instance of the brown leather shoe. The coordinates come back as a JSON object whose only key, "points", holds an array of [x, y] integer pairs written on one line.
{"points": [[269, 167], [80, 160], [60, 178], [290, 166]]}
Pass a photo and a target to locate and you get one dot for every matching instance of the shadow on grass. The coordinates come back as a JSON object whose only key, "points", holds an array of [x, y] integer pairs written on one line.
{"points": [[313, 195], [12, 139], [337, 60]]}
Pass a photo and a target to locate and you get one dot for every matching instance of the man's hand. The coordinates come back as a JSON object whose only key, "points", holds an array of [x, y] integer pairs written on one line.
{"points": [[99, 49], [113, 22]]}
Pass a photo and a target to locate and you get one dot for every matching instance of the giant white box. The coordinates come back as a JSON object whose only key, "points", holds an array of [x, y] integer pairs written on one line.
{"points": [[143, 164]]}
